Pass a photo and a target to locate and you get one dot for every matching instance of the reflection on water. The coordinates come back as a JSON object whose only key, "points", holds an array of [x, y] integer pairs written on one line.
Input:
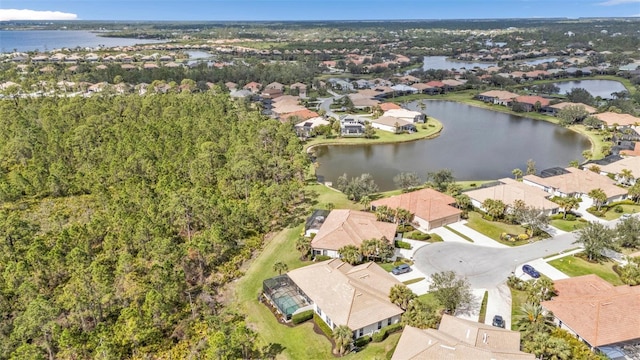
{"points": [[475, 143], [602, 88]]}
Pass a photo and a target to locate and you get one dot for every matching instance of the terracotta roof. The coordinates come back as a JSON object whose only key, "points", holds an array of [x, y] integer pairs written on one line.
{"points": [[427, 204], [532, 100], [611, 118], [629, 163], [350, 227], [355, 296], [599, 312], [389, 106], [578, 182], [437, 84], [459, 339], [301, 114], [499, 94], [562, 105], [634, 152], [510, 190]]}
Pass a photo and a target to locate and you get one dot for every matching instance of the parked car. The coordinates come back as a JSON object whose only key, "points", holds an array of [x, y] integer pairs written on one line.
{"points": [[531, 271], [401, 269], [498, 321]]}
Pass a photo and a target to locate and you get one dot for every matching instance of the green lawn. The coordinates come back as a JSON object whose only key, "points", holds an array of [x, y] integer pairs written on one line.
{"points": [[627, 209], [575, 266], [324, 195], [566, 225], [518, 298], [413, 281], [483, 307], [493, 229]]}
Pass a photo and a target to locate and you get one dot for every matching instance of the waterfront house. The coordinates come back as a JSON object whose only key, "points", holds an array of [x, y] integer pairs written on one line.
{"points": [[508, 191]]}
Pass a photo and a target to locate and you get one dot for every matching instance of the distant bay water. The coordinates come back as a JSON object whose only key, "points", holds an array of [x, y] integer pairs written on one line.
{"points": [[45, 40]]}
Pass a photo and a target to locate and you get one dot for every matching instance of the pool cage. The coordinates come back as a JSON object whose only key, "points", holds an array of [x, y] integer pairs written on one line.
{"points": [[285, 295]]}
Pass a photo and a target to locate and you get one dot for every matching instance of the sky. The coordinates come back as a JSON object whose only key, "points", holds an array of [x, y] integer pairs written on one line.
{"points": [[224, 10]]}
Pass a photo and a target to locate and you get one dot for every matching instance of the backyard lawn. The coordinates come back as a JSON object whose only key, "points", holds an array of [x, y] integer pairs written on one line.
{"points": [[493, 229], [575, 266], [324, 195]]}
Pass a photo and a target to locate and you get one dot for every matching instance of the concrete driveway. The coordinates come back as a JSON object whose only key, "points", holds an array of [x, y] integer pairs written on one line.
{"points": [[420, 287], [485, 267], [499, 303]]}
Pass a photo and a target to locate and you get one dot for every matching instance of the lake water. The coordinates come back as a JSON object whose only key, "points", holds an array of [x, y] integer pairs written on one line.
{"points": [[477, 144], [443, 63], [602, 88], [44, 40], [540, 61]]}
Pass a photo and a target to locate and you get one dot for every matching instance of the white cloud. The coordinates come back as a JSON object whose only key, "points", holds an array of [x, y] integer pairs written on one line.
{"points": [[618, 2], [26, 14]]}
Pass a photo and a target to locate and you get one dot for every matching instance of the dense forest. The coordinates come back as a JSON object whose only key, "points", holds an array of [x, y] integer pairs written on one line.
{"points": [[121, 218]]}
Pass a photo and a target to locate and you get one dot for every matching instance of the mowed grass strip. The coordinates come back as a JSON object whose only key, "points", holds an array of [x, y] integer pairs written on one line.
{"points": [[575, 266]]}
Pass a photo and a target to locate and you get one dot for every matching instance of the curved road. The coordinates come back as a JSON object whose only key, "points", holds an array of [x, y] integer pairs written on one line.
{"points": [[485, 267]]}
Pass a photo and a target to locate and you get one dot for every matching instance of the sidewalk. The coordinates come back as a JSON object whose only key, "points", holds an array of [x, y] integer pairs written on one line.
{"points": [[478, 238]]}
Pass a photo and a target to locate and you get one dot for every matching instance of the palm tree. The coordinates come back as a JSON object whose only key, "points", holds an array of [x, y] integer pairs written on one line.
{"points": [[403, 216], [369, 248], [303, 245], [463, 201], [401, 295], [545, 346], [349, 254], [567, 204], [599, 197], [280, 267], [534, 319], [625, 175], [516, 173], [366, 202], [343, 338]]}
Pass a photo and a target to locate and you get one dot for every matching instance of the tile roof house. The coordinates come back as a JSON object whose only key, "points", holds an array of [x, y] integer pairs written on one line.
{"points": [[349, 227], [407, 115], [596, 311], [392, 124], [253, 86], [355, 296], [577, 183], [629, 163], [611, 119], [529, 102], [497, 97], [557, 107], [431, 208], [389, 106], [509, 190], [459, 339]]}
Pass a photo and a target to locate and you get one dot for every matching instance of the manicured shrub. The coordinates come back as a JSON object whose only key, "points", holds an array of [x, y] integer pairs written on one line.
{"points": [[362, 341], [436, 238], [403, 245], [570, 217], [618, 209], [405, 228], [319, 258], [523, 237], [385, 331], [302, 317], [556, 217], [323, 326]]}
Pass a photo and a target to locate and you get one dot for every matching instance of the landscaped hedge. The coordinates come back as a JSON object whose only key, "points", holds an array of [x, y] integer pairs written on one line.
{"points": [[385, 331], [362, 341], [436, 238], [417, 235], [319, 258], [302, 317], [403, 245], [323, 326]]}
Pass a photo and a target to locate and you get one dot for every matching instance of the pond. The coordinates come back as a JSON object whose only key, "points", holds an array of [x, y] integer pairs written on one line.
{"points": [[540, 61], [477, 144], [444, 63], [602, 88]]}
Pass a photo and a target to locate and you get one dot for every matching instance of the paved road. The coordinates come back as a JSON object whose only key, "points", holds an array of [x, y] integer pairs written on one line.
{"points": [[485, 267]]}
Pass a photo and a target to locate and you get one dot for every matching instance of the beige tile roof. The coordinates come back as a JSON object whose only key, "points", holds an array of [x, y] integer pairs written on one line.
{"points": [[363, 100], [459, 339], [629, 163], [390, 121], [427, 204], [562, 105], [500, 94], [350, 227], [510, 190], [355, 296], [599, 312], [611, 118], [532, 100], [389, 106], [579, 182]]}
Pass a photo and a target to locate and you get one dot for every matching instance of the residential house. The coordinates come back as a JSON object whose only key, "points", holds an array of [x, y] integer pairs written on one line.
{"points": [[508, 191], [305, 128], [600, 314], [451, 84], [349, 227], [389, 106], [615, 168], [437, 84], [498, 97], [253, 86], [426, 89], [531, 102], [459, 339], [401, 90], [298, 115], [407, 115], [276, 86], [555, 108], [392, 124], [431, 208], [231, 85], [612, 119], [300, 88], [362, 100], [271, 93], [576, 183], [355, 296]]}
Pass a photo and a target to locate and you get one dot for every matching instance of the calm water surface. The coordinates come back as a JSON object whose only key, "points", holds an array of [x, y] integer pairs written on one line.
{"points": [[44, 40], [443, 63], [602, 88], [475, 143]]}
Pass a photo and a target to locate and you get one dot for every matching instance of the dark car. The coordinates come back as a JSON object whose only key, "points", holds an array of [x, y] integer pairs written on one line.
{"points": [[401, 269], [531, 271], [498, 321]]}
